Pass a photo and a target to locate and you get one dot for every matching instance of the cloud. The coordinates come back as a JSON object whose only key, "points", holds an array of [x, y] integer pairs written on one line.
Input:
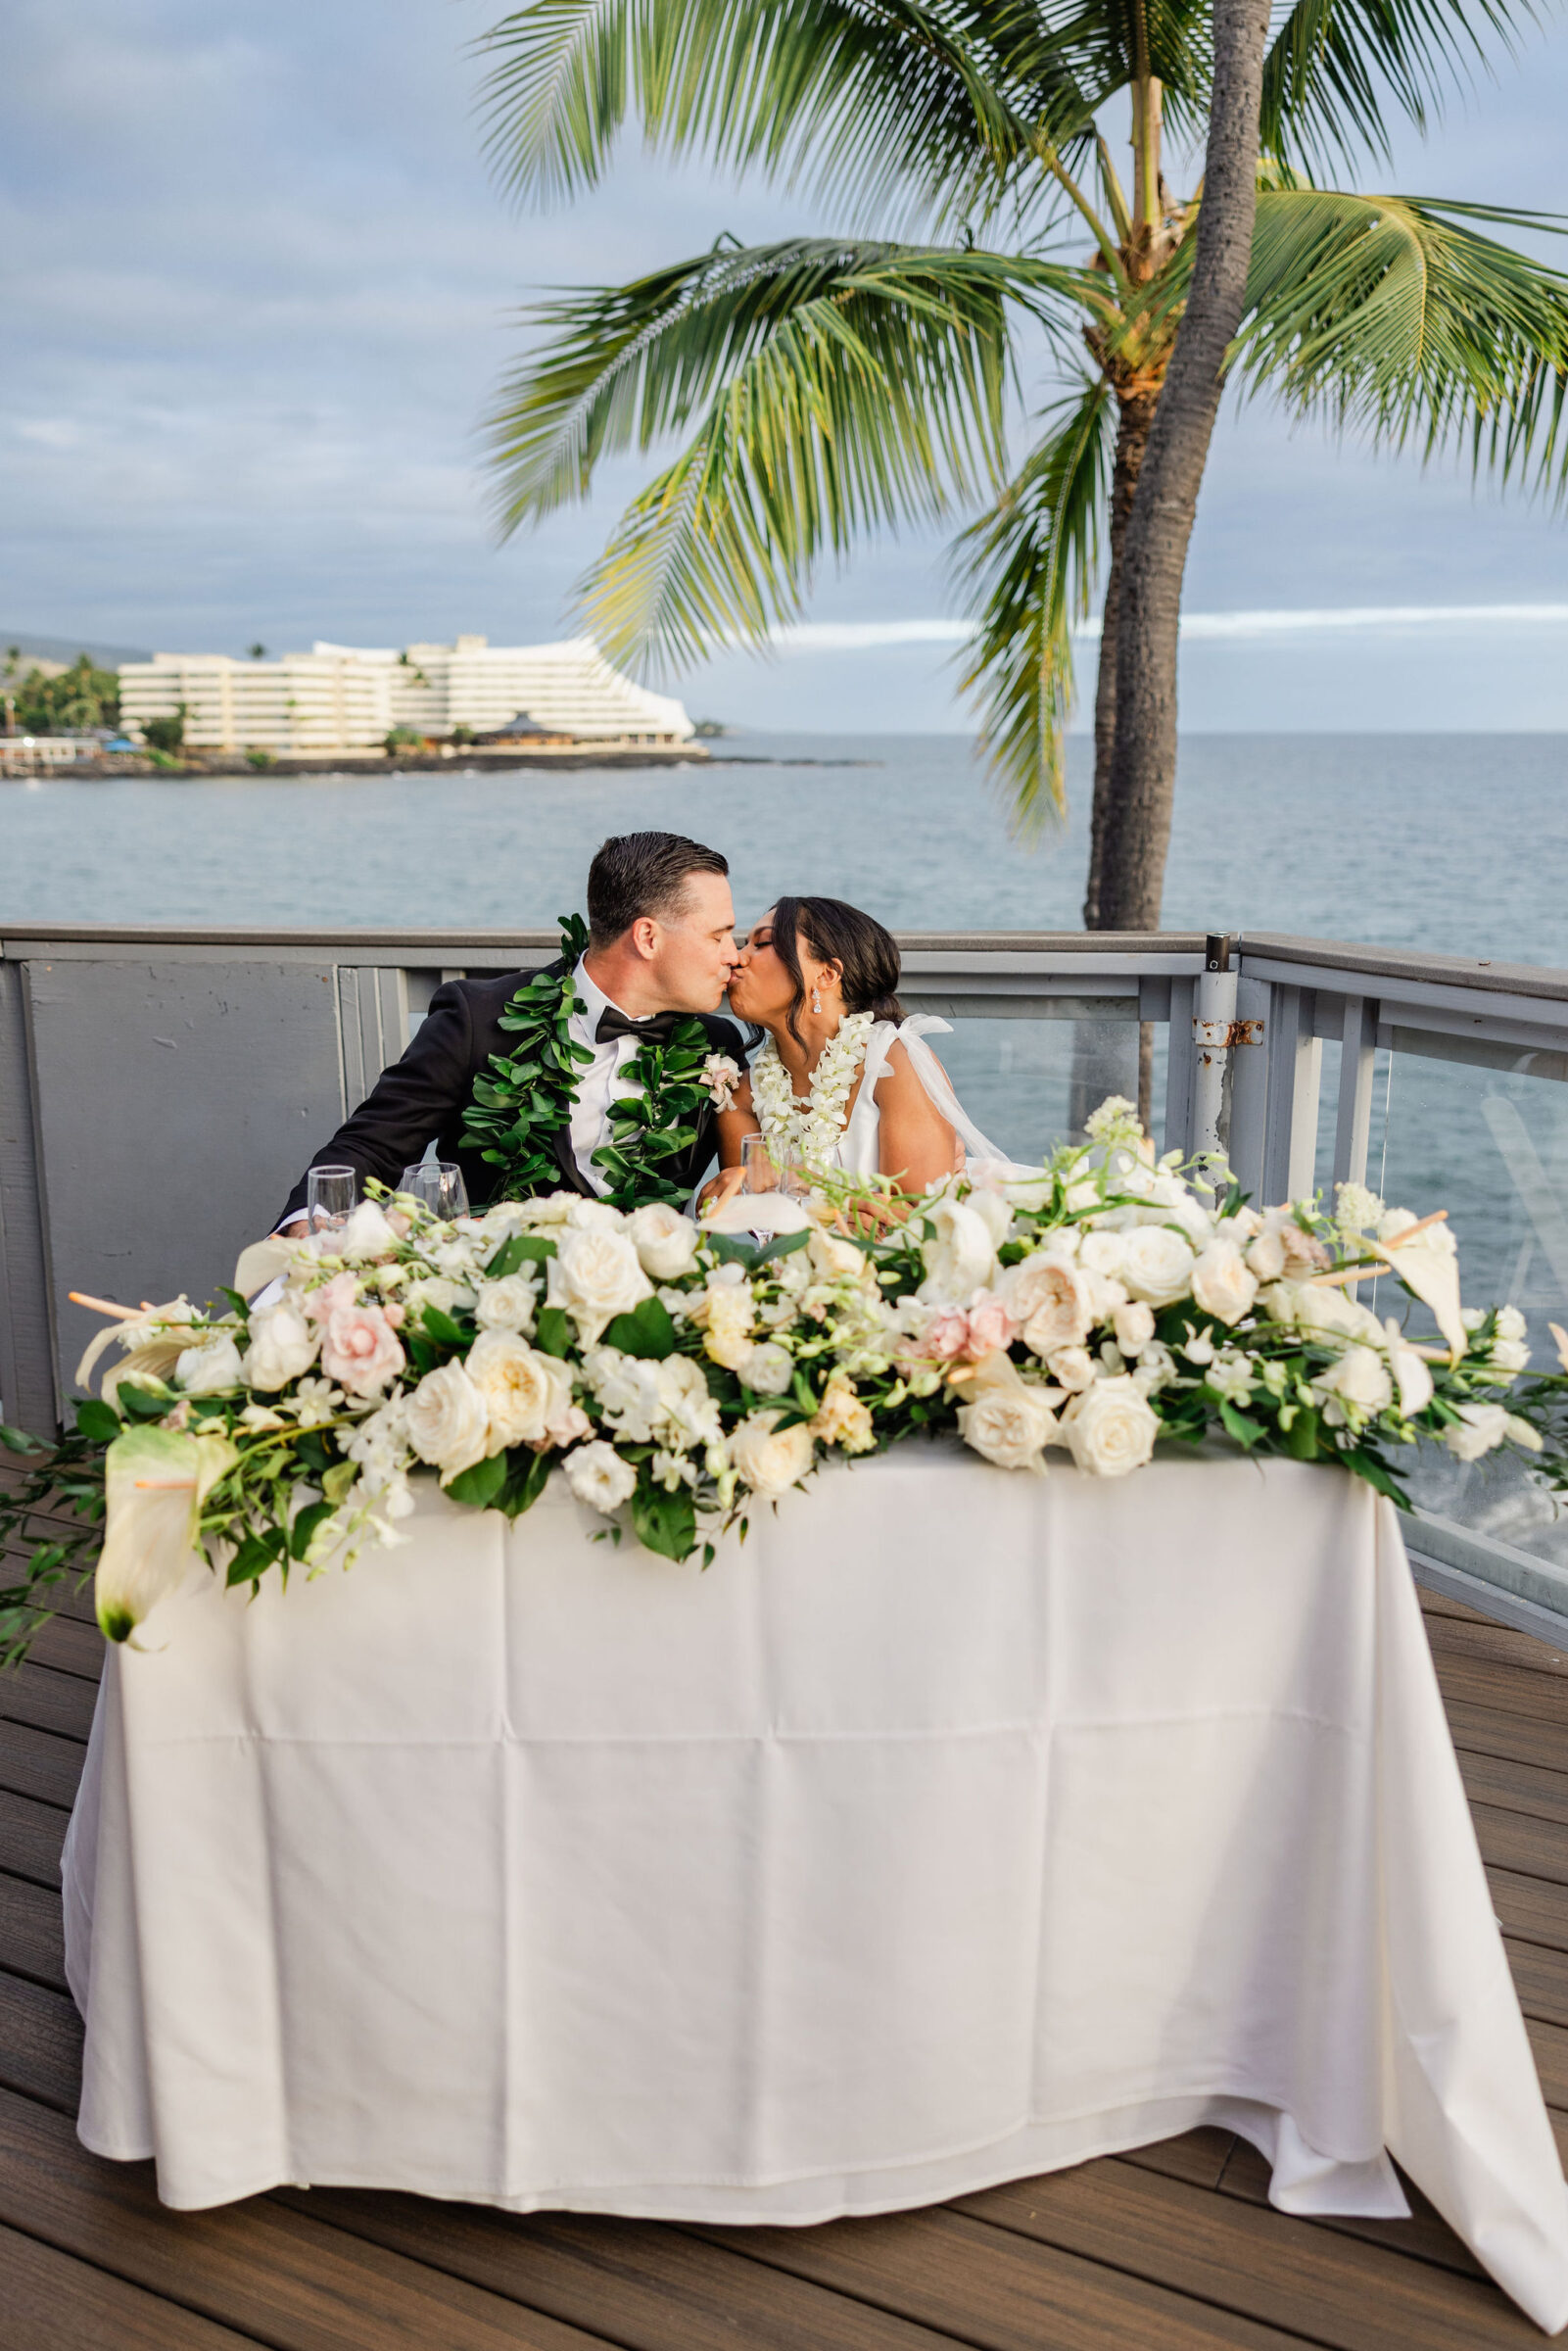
{"points": [[859, 636]]}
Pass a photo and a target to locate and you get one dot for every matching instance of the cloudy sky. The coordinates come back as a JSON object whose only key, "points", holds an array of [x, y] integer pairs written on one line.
{"points": [[259, 289]]}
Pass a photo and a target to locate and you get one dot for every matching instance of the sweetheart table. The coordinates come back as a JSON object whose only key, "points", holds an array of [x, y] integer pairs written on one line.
{"points": [[955, 1826]]}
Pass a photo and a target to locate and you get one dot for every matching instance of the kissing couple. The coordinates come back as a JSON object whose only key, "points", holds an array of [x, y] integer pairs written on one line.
{"points": [[612, 1072]]}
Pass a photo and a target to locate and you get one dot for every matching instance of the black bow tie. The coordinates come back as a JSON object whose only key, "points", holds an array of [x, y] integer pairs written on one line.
{"points": [[656, 1030]]}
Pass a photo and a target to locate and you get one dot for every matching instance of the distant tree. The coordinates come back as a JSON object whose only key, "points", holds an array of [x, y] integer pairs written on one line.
{"points": [[167, 734], [404, 739], [257, 652], [79, 697], [462, 735]]}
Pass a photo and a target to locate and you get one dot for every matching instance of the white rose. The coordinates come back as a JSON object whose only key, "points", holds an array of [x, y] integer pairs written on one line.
{"points": [[595, 1275], [1360, 1378], [1481, 1427], [1266, 1257], [665, 1242], [767, 1370], [729, 1316], [958, 1254], [1048, 1296], [771, 1461], [994, 1209], [687, 1402], [519, 1388], [447, 1420], [1511, 1325], [367, 1235], [1101, 1252], [507, 1304], [1112, 1428], [1156, 1265], [598, 1475], [1320, 1307], [832, 1257], [212, 1369], [1221, 1283], [1072, 1367], [1009, 1424], [1134, 1326], [283, 1345]]}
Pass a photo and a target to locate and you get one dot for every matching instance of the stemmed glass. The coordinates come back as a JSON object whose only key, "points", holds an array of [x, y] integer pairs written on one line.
{"points": [[438, 1183], [330, 1197], [765, 1171]]}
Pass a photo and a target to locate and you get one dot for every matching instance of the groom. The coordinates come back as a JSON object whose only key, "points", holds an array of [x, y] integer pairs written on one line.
{"points": [[660, 951]]}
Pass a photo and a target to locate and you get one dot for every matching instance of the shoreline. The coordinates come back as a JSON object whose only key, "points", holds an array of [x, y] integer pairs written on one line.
{"points": [[222, 767]]}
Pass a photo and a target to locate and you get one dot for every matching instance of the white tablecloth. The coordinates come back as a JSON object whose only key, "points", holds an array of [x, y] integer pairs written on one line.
{"points": [[957, 1826]]}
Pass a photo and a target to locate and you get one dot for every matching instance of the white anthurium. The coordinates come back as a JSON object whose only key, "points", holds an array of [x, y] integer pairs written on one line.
{"points": [[1428, 1265], [1410, 1373], [959, 1254], [155, 1330], [155, 1482]]}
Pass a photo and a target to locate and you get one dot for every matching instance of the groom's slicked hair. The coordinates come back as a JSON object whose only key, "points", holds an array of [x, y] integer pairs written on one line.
{"points": [[642, 873]]}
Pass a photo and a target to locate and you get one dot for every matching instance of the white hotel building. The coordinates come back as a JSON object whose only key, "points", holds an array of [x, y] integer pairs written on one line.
{"points": [[340, 698]]}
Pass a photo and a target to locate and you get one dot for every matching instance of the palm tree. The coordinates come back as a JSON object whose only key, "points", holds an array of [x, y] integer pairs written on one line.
{"points": [[829, 387]]}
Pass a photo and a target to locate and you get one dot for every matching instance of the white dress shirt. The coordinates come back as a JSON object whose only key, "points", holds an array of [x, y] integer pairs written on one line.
{"points": [[598, 1083]]}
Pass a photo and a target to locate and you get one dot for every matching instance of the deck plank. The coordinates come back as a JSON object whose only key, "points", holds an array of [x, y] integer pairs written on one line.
{"points": [[650, 2287], [70, 1647], [298, 2284], [31, 1931], [1521, 1843], [1424, 2237], [48, 1699], [1000, 2290], [40, 2043], [1531, 1909], [1493, 1730], [1540, 1978], [1498, 1641], [1197, 2156], [51, 2302], [1257, 2261], [1512, 1689], [1515, 1785], [39, 1763], [31, 1835]]}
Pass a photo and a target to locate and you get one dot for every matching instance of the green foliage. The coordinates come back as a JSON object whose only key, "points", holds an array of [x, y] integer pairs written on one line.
{"points": [[165, 735], [664, 1521], [646, 1331], [402, 739], [480, 1485], [80, 697], [65, 1481]]}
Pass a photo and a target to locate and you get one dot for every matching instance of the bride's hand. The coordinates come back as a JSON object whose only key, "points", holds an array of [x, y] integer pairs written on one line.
{"points": [[718, 1190]]}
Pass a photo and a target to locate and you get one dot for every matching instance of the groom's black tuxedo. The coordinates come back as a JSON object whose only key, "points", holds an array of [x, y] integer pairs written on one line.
{"points": [[427, 1093]]}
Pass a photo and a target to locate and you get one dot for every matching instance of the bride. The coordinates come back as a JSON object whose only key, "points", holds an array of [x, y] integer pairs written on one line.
{"points": [[843, 1080]]}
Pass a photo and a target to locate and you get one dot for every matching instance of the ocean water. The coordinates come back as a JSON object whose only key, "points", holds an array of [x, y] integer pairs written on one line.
{"points": [[1453, 843]]}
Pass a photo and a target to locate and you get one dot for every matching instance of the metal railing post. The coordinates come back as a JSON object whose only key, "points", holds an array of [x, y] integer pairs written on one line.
{"points": [[1249, 1082], [1354, 1123], [1295, 1070], [1212, 1024]]}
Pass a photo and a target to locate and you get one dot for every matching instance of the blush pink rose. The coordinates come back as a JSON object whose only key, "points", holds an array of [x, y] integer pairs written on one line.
{"points": [[332, 1297], [990, 1326], [361, 1350], [947, 1336]]}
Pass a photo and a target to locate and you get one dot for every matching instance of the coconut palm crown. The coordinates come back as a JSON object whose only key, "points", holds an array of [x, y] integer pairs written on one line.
{"points": [[827, 388]]}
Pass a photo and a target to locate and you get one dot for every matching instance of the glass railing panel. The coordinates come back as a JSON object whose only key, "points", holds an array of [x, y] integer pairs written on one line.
{"points": [[1028, 1083], [1491, 1146]]}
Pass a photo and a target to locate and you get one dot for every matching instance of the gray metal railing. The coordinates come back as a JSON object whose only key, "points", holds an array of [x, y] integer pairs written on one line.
{"points": [[161, 1087]]}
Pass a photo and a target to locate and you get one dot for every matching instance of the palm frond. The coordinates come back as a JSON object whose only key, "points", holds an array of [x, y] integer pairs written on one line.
{"points": [[1029, 567], [1333, 64], [841, 387], [1388, 315], [853, 97]]}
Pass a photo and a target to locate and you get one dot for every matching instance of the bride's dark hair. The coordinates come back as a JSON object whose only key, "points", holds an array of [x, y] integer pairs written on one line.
{"points": [[865, 953]]}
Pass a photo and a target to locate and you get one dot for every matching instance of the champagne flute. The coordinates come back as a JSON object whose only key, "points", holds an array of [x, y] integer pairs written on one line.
{"points": [[438, 1184], [758, 1171], [330, 1196]]}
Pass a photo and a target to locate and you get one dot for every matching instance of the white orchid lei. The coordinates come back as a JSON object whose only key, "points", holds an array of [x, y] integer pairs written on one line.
{"points": [[680, 1375], [810, 1130]]}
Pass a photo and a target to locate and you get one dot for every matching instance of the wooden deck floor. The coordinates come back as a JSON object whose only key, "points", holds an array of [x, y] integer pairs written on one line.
{"points": [[1172, 2249]]}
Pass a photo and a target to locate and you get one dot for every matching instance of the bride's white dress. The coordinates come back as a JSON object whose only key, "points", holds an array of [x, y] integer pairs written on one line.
{"points": [[861, 1141]]}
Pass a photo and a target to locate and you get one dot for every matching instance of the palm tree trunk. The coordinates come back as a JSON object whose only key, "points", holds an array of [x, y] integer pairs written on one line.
{"points": [[1132, 438], [1153, 554]]}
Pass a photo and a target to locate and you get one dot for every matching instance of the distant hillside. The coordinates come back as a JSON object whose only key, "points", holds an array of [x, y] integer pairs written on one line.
{"points": [[65, 649]]}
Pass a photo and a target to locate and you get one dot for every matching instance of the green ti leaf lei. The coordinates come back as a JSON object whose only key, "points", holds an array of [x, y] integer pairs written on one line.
{"points": [[527, 1097]]}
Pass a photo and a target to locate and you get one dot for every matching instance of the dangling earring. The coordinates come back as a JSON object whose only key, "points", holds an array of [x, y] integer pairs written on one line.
{"points": [[816, 1001]]}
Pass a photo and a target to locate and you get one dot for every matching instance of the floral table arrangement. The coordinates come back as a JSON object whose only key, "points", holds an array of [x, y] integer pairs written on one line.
{"points": [[681, 1375]]}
